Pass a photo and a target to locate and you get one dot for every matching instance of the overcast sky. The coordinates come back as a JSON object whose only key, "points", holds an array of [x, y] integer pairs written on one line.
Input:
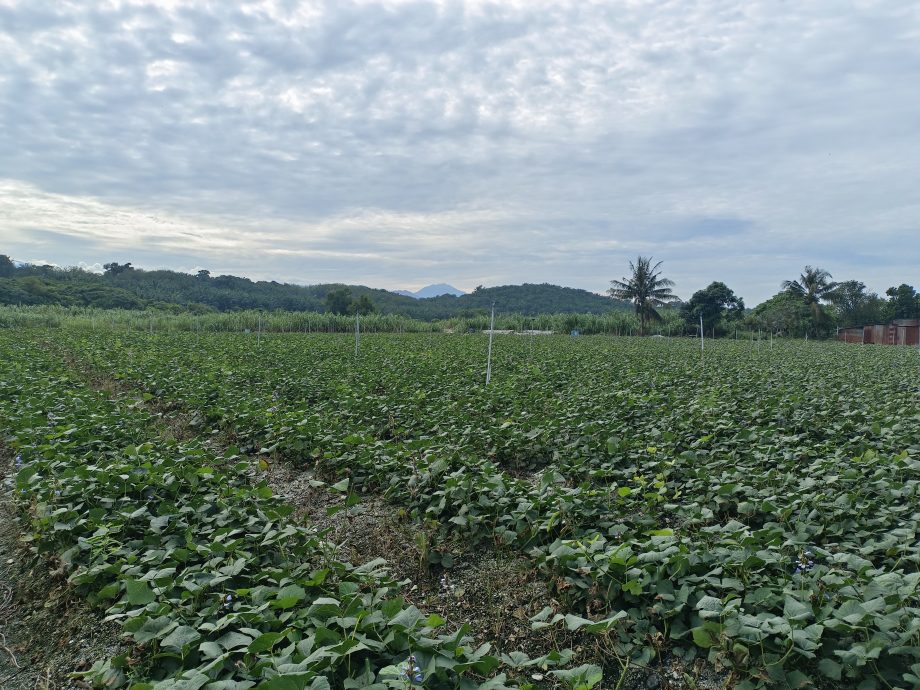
{"points": [[396, 144]]}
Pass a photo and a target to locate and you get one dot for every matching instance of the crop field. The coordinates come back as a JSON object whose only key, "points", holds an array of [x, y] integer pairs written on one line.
{"points": [[628, 513]]}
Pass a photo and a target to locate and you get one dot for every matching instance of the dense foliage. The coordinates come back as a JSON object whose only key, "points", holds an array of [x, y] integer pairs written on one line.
{"points": [[201, 565], [716, 306], [758, 508], [903, 302], [125, 287], [158, 321], [813, 287], [791, 313]]}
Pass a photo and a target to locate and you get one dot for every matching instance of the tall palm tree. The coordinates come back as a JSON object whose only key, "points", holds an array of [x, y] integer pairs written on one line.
{"points": [[646, 289], [813, 287]]}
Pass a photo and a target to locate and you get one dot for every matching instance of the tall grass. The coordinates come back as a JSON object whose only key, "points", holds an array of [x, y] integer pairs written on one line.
{"points": [[50, 316]]}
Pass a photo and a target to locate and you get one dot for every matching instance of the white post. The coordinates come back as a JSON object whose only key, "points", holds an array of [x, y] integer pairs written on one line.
{"points": [[489, 356], [357, 333], [701, 335]]}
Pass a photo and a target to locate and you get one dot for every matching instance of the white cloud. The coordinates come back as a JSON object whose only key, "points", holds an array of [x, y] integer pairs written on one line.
{"points": [[401, 142]]}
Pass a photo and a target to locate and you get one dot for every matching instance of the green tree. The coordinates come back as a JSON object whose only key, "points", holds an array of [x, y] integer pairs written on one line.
{"points": [[7, 267], [782, 313], [813, 287], [114, 268], [855, 305], [363, 305], [714, 303], [903, 302], [646, 289], [338, 300]]}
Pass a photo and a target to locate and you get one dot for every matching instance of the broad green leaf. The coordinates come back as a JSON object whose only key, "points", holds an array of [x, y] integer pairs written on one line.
{"points": [[138, 592], [180, 638]]}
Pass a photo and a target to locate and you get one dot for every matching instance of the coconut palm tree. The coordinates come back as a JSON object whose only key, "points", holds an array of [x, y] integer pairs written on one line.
{"points": [[646, 289], [813, 287]]}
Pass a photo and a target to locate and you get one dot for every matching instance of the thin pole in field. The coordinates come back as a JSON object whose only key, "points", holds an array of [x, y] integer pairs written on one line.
{"points": [[259, 338], [489, 355], [701, 336], [357, 333]]}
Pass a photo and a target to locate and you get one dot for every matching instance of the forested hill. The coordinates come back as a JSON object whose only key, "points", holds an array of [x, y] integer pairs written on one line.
{"points": [[130, 288], [531, 298]]}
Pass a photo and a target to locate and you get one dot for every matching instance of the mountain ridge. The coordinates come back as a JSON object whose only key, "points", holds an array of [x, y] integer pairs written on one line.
{"points": [[434, 290], [132, 288]]}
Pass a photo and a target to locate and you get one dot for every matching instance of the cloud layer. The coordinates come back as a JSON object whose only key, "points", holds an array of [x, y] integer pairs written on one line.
{"points": [[399, 143]]}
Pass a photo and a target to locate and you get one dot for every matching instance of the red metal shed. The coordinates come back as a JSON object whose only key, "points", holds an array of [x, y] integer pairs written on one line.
{"points": [[905, 332], [898, 332]]}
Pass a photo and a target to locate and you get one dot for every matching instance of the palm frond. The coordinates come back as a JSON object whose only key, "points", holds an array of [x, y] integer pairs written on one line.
{"points": [[645, 288], [794, 287]]}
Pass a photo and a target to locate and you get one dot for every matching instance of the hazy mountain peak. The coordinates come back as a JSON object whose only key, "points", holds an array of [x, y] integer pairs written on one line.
{"points": [[431, 291]]}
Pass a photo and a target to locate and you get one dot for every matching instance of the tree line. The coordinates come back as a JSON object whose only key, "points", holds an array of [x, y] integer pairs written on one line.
{"points": [[810, 304], [123, 286]]}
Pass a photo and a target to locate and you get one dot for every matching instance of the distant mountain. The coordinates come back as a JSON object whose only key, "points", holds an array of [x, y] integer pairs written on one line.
{"points": [[437, 290], [428, 291]]}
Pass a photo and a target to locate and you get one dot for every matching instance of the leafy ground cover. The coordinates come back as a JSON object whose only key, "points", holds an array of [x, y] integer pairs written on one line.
{"points": [[196, 563], [46, 631], [758, 509]]}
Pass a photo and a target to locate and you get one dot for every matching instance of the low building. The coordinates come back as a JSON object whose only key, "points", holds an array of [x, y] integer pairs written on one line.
{"points": [[898, 332]]}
